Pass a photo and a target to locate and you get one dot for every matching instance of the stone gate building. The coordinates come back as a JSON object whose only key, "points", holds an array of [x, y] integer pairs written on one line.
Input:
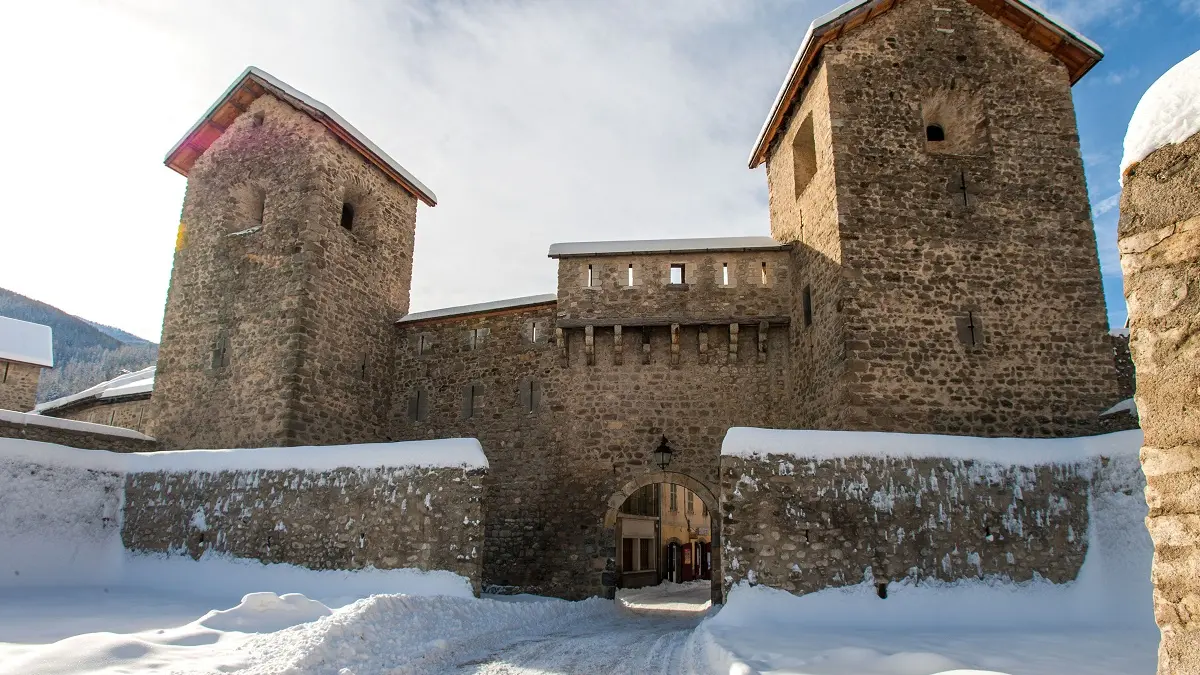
{"points": [[931, 268]]}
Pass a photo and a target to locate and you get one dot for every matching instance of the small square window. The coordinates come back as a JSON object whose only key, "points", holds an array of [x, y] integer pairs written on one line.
{"points": [[677, 273]]}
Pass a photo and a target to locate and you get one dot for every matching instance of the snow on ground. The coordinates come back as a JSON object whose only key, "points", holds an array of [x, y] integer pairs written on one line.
{"points": [[692, 597], [1168, 113], [139, 614]]}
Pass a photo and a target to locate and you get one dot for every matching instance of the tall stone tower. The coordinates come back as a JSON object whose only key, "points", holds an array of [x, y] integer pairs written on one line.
{"points": [[294, 259], [924, 156]]}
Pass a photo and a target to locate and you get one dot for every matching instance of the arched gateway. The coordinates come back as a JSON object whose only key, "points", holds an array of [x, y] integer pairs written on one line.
{"points": [[701, 490]]}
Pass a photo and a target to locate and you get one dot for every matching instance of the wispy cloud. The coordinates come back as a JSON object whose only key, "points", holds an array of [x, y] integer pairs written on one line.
{"points": [[1085, 13], [1105, 205]]}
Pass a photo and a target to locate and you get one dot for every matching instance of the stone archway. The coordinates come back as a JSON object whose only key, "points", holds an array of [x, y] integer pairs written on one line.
{"points": [[701, 490]]}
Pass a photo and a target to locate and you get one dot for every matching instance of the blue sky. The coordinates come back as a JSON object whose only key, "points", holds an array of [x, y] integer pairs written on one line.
{"points": [[534, 121]]}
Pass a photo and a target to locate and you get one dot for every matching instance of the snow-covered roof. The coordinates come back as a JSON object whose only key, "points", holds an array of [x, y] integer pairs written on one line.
{"points": [[25, 342], [1077, 52], [1128, 405], [646, 246], [1168, 113], [70, 425], [251, 84], [511, 303], [126, 384]]}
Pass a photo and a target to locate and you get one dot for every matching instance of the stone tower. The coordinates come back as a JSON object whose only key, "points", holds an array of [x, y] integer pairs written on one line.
{"points": [[924, 157], [294, 258]]}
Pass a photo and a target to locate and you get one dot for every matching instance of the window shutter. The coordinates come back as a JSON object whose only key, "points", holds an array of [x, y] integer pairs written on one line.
{"points": [[414, 403], [422, 405], [966, 334], [525, 394], [467, 404]]}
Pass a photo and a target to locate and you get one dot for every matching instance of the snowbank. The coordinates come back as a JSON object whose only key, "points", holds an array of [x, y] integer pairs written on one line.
{"points": [[808, 444], [1168, 113]]}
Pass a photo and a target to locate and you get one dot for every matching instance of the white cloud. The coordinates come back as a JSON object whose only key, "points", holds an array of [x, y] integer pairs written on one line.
{"points": [[534, 122], [1086, 13], [1105, 205]]}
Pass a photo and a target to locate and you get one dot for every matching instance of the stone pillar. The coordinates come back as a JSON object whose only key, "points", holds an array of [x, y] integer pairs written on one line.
{"points": [[1159, 240]]}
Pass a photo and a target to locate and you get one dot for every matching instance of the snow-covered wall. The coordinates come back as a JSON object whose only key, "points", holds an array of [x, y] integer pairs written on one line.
{"points": [[59, 517], [384, 506], [808, 510]]}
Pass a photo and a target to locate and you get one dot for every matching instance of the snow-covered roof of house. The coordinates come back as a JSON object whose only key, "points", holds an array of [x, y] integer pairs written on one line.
{"points": [[649, 246], [495, 305], [1075, 51], [254, 82], [1168, 113], [126, 384], [25, 342]]}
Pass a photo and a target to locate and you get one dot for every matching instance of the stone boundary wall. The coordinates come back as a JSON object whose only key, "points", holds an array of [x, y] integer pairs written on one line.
{"points": [[803, 524], [343, 519], [74, 434], [385, 506]]}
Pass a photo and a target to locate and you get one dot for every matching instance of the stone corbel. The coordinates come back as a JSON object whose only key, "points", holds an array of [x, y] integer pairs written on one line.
{"points": [[763, 327], [733, 342], [674, 344], [645, 345], [589, 345], [618, 346], [560, 338], [704, 344]]}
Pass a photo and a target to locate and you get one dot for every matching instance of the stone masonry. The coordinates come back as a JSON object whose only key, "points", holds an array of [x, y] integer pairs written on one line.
{"points": [[278, 318], [955, 285], [344, 519], [131, 413], [18, 385], [1159, 240], [912, 286], [86, 436]]}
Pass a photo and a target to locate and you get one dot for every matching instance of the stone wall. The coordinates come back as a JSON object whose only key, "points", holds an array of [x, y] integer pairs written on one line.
{"points": [[342, 519], [1159, 240], [803, 524], [129, 413], [73, 434], [18, 385], [956, 286], [278, 318], [702, 297], [593, 422]]}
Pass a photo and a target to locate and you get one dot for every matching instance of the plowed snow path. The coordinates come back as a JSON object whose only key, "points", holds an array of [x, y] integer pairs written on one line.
{"points": [[618, 643]]}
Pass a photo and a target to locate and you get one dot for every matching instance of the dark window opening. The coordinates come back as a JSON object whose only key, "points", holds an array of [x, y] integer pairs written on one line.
{"points": [[808, 311], [220, 354], [258, 204], [347, 215], [934, 133], [418, 406], [970, 329], [677, 273]]}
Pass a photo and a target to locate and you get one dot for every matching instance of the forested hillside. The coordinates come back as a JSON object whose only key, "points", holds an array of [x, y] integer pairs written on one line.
{"points": [[84, 352]]}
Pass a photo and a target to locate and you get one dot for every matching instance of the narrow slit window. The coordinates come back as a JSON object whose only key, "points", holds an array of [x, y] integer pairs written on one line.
{"points": [[677, 273], [629, 278], [533, 332], [764, 274], [807, 300], [934, 133], [724, 274], [348, 215]]}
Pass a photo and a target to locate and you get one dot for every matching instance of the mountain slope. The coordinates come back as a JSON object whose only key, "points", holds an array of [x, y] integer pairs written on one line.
{"points": [[85, 353]]}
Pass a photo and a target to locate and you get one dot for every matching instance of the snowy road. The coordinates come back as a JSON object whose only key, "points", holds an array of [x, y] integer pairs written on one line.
{"points": [[619, 643]]}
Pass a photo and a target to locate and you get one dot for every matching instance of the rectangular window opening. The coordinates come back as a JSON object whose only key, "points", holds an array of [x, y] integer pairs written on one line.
{"points": [[808, 311], [677, 273], [533, 333], [629, 280], [589, 276], [764, 274], [647, 554], [724, 274], [674, 498]]}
